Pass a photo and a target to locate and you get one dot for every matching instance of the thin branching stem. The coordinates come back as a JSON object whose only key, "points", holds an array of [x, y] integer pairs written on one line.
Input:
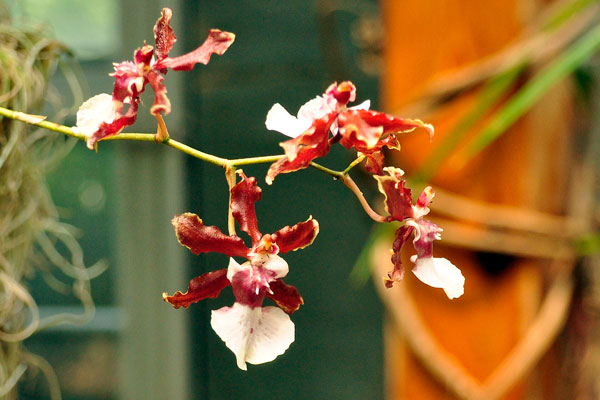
{"points": [[229, 165]]}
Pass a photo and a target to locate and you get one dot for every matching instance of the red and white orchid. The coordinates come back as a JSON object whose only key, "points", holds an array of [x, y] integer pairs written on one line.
{"points": [[368, 132], [102, 116], [254, 333], [435, 272]]}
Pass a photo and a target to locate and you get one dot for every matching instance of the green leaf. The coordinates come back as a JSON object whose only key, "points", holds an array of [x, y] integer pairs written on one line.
{"points": [[534, 89]]}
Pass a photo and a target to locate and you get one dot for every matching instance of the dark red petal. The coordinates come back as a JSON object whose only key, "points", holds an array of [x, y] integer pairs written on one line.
{"points": [[202, 287], [391, 124], [375, 162], [217, 42], [199, 238], [300, 151], [398, 198], [357, 133], [106, 130], [163, 34], [397, 273], [296, 237], [161, 101], [285, 296], [243, 197]]}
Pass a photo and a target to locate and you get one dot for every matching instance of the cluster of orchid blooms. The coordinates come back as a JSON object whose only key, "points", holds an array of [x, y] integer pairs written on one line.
{"points": [[254, 333]]}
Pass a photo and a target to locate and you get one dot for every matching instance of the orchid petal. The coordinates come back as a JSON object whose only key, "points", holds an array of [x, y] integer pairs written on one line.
{"points": [[161, 101], [357, 133], [199, 238], [391, 124], [439, 273], [93, 112], [341, 94], [243, 197], [397, 274], [129, 81], [96, 113], [250, 285], [233, 268], [314, 109], [374, 163], [421, 207], [285, 296], [255, 335], [398, 198], [163, 34], [251, 280], [202, 287], [296, 237], [278, 119], [426, 232], [217, 42], [276, 265], [302, 150]]}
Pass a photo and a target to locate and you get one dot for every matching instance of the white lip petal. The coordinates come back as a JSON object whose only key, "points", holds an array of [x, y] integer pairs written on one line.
{"points": [[278, 119], [256, 335], [440, 273], [93, 112]]}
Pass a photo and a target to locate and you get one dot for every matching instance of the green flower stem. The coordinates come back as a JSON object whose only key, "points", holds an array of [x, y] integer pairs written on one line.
{"points": [[335, 174], [238, 162], [229, 165], [353, 164], [209, 158]]}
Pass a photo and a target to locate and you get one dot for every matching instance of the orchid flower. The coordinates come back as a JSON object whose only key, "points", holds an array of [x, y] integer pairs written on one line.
{"points": [[435, 272], [354, 127], [255, 334], [102, 116]]}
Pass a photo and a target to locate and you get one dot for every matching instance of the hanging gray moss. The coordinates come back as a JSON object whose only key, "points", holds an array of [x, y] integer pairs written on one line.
{"points": [[29, 225]]}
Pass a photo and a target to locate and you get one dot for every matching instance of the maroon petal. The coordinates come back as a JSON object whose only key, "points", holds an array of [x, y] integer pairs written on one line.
{"points": [[285, 296], [163, 34], [391, 124], [374, 163], [199, 238], [397, 273], [202, 287], [243, 197], [246, 290], [162, 104], [398, 198], [300, 151], [296, 237], [217, 42]]}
